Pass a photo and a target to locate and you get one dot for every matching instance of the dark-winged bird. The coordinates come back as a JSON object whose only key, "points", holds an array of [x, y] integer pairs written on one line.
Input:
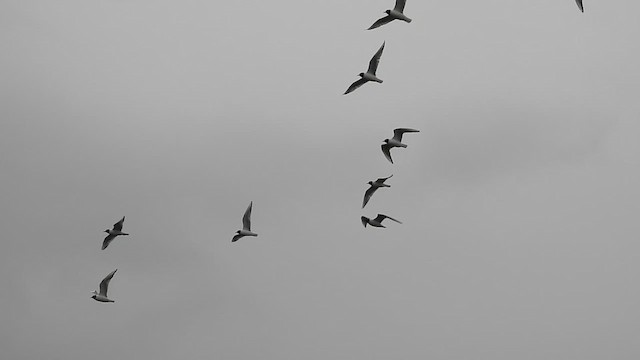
{"points": [[246, 225], [116, 231], [396, 141], [377, 222], [104, 285], [579, 2], [374, 185], [370, 75], [394, 14]]}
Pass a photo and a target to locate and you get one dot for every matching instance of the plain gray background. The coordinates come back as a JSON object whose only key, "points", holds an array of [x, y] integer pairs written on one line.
{"points": [[519, 196]]}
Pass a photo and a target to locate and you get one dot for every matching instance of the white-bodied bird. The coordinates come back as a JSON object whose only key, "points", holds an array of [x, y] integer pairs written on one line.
{"points": [[104, 285], [246, 225], [370, 75], [396, 141], [116, 231], [377, 222], [374, 185], [579, 2], [395, 14]]}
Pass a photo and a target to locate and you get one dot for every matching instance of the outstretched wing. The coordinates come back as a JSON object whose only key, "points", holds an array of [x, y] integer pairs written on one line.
{"points": [[375, 60], [118, 226], [579, 2], [400, 5], [367, 195], [246, 219], [381, 217], [356, 84], [104, 284], [397, 133], [386, 151], [383, 20], [236, 237], [382, 180], [107, 241]]}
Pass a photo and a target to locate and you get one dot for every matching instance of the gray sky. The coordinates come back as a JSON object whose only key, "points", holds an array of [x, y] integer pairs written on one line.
{"points": [[519, 196]]}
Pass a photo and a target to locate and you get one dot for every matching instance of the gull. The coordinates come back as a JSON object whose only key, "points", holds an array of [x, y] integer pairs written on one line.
{"points": [[104, 284], [396, 141], [394, 14], [377, 222], [117, 230], [370, 75], [579, 2], [246, 225], [374, 186]]}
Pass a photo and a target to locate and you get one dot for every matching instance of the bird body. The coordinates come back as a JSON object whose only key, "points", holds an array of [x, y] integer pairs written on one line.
{"points": [[394, 14], [377, 222], [104, 287], [396, 141], [370, 75], [246, 225], [373, 186], [116, 231]]}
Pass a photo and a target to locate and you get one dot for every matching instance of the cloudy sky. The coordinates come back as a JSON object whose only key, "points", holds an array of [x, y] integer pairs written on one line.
{"points": [[519, 196]]}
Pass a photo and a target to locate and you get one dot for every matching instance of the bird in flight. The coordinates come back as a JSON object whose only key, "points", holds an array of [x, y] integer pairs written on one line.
{"points": [[396, 141], [117, 230], [246, 225], [579, 2], [370, 75], [104, 285], [377, 222], [394, 14], [374, 185]]}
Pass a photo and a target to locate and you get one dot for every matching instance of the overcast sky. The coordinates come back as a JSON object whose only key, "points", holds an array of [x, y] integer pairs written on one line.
{"points": [[519, 197]]}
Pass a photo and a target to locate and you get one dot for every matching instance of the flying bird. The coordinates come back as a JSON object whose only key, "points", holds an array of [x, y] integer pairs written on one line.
{"points": [[117, 230], [370, 75], [377, 222], [104, 285], [394, 14], [246, 225], [396, 141], [374, 185], [579, 2]]}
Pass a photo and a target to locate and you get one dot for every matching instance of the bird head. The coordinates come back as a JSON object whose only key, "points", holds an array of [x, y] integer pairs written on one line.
{"points": [[365, 220], [107, 231], [388, 12], [94, 294], [361, 74], [386, 141], [370, 183]]}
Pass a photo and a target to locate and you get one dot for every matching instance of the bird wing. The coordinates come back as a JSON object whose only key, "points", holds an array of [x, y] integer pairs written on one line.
{"points": [[236, 237], [397, 133], [118, 226], [386, 152], [107, 241], [375, 60], [579, 2], [383, 20], [381, 217], [104, 284], [246, 219], [400, 5], [367, 195], [364, 221], [356, 84], [382, 180]]}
